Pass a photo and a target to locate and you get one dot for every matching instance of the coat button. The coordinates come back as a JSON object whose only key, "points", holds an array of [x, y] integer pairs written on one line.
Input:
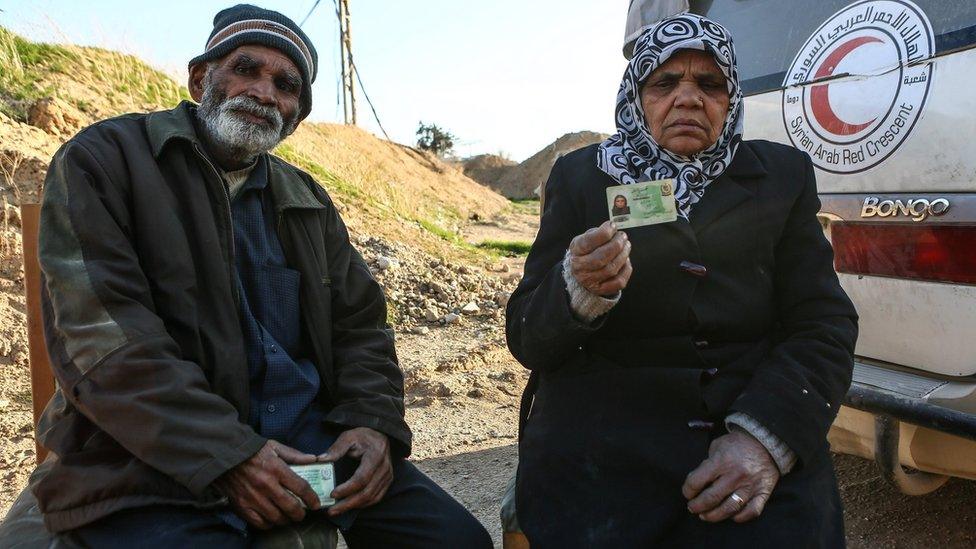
{"points": [[272, 408], [693, 269], [701, 425], [711, 372], [701, 344]]}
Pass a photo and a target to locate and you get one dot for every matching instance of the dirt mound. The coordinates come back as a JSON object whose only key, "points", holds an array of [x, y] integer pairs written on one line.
{"points": [[387, 189], [83, 84], [395, 190], [487, 169], [523, 180]]}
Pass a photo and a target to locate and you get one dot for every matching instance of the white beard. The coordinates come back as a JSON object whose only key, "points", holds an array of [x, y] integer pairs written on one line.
{"points": [[230, 130]]}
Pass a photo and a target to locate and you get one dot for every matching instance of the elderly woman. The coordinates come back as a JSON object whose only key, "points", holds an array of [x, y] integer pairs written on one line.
{"points": [[684, 374]]}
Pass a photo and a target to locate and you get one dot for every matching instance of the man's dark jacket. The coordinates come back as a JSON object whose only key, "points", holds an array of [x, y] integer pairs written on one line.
{"points": [[738, 310], [142, 320]]}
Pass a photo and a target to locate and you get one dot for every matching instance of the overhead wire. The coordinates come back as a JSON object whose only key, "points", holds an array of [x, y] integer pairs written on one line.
{"points": [[366, 95], [335, 61], [352, 67], [309, 14], [338, 82]]}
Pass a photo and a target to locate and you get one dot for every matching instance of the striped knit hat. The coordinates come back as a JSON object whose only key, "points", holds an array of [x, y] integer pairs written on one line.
{"points": [[247, 24]]}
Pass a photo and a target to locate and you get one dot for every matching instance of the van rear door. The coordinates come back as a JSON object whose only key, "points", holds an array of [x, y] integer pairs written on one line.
{"points": [[881, 94]]}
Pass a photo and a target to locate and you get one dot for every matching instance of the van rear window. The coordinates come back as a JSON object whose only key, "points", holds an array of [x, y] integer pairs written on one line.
{"points": [[769, 33]]}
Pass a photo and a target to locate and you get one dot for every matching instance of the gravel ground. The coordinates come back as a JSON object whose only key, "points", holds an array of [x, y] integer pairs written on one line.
{"points": [[877, 515]]}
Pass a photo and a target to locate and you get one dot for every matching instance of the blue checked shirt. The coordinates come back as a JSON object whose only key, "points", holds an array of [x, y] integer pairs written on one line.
{"points": [[283, 388]]}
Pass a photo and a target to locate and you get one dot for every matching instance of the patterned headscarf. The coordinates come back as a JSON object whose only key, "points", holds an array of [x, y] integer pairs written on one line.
{"points": [[631, 155]]}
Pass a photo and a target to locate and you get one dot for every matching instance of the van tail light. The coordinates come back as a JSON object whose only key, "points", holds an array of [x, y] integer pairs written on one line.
{"points": [[940, 253]]}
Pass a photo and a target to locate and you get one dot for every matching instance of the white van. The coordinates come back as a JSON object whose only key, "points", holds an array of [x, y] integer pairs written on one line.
{"points": [[882, 95]]}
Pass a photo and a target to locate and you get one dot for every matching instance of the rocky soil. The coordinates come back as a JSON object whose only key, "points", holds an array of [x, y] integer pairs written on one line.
{"points": [[426, 292]]}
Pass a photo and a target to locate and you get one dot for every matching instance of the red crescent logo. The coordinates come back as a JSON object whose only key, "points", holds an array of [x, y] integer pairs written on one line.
{"points": [[819, 101]]}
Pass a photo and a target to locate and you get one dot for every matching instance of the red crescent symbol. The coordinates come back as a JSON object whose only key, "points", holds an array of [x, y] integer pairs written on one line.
{"points": [[819, 101]]}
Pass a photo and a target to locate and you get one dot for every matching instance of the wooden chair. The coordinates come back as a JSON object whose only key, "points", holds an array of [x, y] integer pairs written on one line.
{"points": [[42, 379], [24, 524]]}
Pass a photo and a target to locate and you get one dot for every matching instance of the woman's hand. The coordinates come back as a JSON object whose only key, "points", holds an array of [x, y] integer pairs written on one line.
{"points": [[737, 463], [600, 259]]}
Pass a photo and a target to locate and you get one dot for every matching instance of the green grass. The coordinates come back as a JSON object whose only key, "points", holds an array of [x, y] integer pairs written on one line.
{"points": [[393, 316], [492, 249], [351, 194], [27, 70], [507, 247], [529, 206], [20, 80], [436, 230], [331, 182]]}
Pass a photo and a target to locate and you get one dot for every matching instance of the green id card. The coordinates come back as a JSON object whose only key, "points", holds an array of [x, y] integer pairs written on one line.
{"points": [[321, 477], [640, 204]]}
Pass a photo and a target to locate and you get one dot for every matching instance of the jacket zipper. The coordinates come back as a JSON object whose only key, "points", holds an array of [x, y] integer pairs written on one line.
{"points": [[230, 226]]}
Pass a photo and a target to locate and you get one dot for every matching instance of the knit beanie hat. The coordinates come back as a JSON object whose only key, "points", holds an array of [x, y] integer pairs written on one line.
{"points": [[247, 24]]}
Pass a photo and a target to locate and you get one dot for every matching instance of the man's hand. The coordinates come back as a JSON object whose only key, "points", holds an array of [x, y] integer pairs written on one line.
{"points": [[257, 487], [374, 475], [737, 463], [600, 260]]}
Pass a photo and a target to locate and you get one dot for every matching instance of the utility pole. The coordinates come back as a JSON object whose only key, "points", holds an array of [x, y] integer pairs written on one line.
{"points": [[348, 67]]}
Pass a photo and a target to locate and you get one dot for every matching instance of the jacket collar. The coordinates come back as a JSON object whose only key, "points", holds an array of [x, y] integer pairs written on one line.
{"points": [[730, 190], [290, 190], [745, 164], [165, 126]]}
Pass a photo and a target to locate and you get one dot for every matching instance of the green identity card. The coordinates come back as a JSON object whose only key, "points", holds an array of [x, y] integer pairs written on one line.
{"points": [[640, 204], [321, 477]]}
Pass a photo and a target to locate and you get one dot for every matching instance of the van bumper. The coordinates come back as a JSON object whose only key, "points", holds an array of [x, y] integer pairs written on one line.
{"points": [[914, 410], [900, 418]]}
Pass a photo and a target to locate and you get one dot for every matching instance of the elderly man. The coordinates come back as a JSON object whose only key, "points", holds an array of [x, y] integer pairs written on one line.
{"points": [[210, 324]]}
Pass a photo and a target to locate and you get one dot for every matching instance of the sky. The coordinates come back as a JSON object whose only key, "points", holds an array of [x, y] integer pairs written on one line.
{"points": [[504, 76]]}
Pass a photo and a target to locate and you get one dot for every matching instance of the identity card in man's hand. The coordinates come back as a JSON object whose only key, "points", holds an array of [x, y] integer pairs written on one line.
{"points": [[321, 477], [639, 204]]}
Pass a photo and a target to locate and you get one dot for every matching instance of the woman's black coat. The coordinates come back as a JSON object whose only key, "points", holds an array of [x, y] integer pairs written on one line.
{"points": [[738, 310]]}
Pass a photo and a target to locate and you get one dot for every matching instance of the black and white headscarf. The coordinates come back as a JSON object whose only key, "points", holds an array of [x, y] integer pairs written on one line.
{"points": [[631, 155]]}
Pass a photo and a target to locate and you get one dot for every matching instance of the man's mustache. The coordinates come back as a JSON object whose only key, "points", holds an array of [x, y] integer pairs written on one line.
{"points": [[250, 106]]}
